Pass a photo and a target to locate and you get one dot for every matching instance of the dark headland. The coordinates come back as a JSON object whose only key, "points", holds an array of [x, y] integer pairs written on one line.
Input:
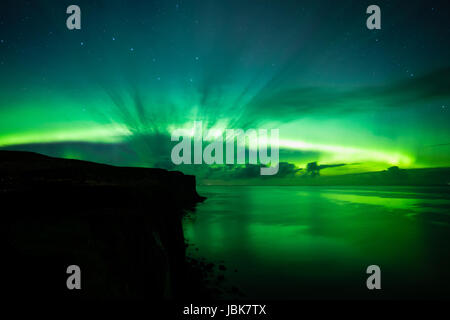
{"points": [[122, 226]]}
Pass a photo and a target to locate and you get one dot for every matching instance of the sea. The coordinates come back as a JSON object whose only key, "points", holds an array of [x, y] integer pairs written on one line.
{"points": [[295, 242]]}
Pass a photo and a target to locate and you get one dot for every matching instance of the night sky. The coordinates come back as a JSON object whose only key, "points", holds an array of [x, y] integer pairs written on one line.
{"points": [[339, 93]]}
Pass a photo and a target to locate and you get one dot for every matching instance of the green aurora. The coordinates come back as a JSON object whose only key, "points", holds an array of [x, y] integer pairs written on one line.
{"points": [[339, 93]]}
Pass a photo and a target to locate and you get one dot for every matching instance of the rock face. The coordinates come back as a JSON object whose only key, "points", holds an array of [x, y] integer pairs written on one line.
{"points": [[121, 226]]}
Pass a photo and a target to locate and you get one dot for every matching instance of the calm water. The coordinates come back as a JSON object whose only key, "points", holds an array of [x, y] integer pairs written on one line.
{"points": [[307, 242]]}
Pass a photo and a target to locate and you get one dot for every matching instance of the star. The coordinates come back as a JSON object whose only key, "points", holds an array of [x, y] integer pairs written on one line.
{"points": [[131, 49], [82, 43]]}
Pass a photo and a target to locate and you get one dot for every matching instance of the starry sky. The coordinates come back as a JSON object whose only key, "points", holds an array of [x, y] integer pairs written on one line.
{"points": [[339, 93]]}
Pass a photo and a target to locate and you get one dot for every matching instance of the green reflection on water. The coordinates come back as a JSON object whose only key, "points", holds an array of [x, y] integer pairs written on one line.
{"points": [[294, 242]]}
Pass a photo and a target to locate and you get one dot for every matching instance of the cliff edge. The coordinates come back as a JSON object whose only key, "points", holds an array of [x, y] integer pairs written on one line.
{"points": [[120, 225]]}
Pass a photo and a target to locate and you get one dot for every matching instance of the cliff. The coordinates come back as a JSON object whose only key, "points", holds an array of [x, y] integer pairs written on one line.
{"points": [[121, 226]]}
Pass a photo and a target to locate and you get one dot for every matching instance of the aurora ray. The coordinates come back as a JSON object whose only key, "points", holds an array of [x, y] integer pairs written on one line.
{"points": [[339, 93]]}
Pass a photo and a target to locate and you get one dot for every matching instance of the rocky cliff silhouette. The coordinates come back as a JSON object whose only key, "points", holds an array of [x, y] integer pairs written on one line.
{"points": [[121, 225]]}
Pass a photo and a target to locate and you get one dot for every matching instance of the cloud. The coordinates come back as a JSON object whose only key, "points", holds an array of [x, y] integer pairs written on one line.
{"points": [[289, 104], [285, 170], [324, 166], [312, 169]]}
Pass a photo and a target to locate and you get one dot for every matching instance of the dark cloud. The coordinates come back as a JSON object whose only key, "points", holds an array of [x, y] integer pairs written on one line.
{"points": [[285, 170], [313, 169], [324, 166], [288, 104]]}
